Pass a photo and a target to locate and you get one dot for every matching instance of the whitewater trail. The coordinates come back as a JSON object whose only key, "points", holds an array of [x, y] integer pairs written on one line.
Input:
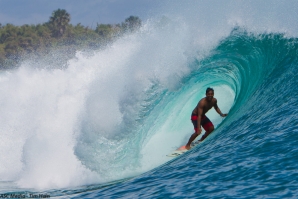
{"points": [[116, 114]]}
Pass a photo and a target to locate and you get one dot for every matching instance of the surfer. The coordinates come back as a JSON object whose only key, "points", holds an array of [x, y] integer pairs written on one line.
{"points": [[199, 118]]}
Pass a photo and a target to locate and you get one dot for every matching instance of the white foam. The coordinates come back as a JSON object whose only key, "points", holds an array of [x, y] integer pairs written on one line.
{"points": [[61, 128]]}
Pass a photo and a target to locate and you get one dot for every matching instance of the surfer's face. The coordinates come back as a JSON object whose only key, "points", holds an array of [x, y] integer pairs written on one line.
{"points": [[209, 95]]}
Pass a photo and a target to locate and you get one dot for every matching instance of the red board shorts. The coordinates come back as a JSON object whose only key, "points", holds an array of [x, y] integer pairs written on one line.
{"points": [[205, 122]]}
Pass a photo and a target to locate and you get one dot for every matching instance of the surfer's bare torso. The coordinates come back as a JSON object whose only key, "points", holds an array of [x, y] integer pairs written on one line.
{"points": [[204, 106]]}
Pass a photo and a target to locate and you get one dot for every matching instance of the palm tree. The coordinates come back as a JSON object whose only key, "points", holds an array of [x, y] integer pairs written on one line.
{"points": [[132, 23], [59, 21]]}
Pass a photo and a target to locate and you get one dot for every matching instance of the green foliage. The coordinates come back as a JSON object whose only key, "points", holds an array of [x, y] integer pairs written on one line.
{"points": [[59, 22], [132, 23], [104, 30], [2, 54], [18, 42]]}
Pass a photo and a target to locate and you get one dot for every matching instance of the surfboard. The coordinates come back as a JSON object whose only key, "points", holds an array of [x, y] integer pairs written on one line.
{"points": [[182, 150]]}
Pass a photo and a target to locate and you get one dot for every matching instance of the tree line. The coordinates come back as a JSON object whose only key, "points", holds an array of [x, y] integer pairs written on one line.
{"points": [[19, 42]]}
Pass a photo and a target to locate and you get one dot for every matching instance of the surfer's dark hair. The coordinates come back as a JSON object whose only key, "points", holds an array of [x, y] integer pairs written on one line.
{"points": [[209, 89]]}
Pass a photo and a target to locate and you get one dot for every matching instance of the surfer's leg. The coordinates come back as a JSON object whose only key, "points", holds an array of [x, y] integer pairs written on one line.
{"points": [[211, 128], [192, 138], [208, 126], [194, 135]]}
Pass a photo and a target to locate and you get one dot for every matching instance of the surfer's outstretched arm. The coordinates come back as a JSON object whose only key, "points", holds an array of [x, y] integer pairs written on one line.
{"points": [[218, 110]]}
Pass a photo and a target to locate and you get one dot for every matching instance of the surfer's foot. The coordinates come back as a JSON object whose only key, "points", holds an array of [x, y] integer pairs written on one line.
{"points": [[187, 147]]}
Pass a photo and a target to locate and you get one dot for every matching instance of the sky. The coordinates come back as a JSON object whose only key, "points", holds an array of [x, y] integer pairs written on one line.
{"points": [[271, 15], [87, 12]]}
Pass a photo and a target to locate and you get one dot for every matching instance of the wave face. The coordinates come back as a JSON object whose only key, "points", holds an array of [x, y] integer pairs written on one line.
{"points": [[253, 151], [116, 114]]}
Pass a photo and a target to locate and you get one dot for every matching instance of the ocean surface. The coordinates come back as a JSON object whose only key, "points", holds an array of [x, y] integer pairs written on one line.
{"points": [[102, 126]]}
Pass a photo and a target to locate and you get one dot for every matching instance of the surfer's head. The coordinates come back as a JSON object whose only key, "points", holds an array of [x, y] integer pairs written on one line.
{"points": [[209, 89], [209, 94]]}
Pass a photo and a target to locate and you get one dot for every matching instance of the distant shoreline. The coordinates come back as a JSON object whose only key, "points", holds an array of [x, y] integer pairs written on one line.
{"points": [[20, 42]]}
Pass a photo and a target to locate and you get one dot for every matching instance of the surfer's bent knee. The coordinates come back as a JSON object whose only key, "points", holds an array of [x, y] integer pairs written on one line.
{"points": [[211, 128]]}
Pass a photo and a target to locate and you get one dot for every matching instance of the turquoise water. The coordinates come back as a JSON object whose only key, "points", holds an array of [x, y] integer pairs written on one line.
{"points": [[101, 128], [253, 153]]}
